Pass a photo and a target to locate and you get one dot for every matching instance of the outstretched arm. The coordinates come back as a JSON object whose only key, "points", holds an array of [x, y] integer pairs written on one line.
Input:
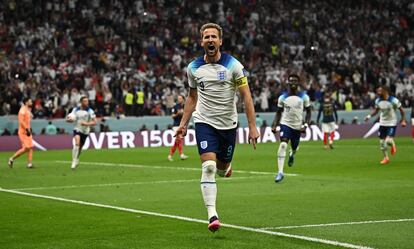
{"points": [[373, 113]]}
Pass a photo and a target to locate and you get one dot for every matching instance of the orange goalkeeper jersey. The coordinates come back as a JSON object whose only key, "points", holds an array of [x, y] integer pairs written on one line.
{"points": [[24, 119]]}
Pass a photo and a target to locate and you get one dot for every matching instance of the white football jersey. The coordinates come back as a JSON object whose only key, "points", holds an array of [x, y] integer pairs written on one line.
{"points": [[83, 115], [388, 107], [216, 85], [293, 107]]}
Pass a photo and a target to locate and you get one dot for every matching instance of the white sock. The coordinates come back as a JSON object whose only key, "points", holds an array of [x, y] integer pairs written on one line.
{"points": [[281, 154], [209, 187], [383, 145], [75, 152]]}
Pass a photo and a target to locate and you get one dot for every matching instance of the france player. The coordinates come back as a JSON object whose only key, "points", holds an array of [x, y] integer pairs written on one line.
{"points": [[214, 80], [177, 114], [387, 106], [84, 117], [329, 120], [289, 116]]}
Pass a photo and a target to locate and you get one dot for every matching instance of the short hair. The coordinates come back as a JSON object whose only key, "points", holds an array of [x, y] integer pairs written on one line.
{"points": [[385, 88], [211, 25], [294, 76], [82, 98], [25, 99]]}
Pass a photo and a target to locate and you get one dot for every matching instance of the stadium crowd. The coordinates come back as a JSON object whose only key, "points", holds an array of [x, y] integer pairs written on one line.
{"points": [[129, 57]]}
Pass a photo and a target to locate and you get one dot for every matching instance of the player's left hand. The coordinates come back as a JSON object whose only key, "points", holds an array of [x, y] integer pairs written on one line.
{"points": [[253, 136], [403, 123]]}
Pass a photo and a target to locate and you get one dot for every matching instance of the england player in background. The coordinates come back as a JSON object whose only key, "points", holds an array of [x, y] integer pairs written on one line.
{"points": [[289, 116], [177, 114], [329, 119], [214, 79], [84, 118], [387, 106]]}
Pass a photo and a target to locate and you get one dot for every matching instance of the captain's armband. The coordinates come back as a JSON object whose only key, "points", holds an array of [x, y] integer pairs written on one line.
{"points": [[241, 81]]}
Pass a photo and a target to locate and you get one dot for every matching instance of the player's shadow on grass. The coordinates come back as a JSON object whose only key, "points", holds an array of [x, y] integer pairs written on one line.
{"points": [[219, 237]]}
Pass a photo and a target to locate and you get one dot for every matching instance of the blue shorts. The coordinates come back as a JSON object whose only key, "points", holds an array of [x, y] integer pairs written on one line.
{"points": [[221, 142], [82, 136], [387, 131], [291, 134]]}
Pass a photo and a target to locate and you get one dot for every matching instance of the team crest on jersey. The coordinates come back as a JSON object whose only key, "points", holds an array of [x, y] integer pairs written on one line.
{"points": [[203, 145], [221, 75]]}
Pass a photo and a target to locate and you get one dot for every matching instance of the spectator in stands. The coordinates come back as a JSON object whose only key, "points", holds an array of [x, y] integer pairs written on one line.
{"points": [[6, 132], [51, 129]]}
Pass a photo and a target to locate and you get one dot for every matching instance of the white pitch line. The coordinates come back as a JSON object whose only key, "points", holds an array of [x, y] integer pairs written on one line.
{"points": [[105, 184], [167, 167], [183, 218], [125, 183], [339, 224]]}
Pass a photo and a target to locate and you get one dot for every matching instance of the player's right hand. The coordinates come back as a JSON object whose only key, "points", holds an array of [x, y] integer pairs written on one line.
{"points": [[403, 123], [29, 132], [181, 132], [253, 136]]}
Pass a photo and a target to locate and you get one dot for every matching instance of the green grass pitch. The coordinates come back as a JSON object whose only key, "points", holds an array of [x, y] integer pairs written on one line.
{"points": [[346, 184]]}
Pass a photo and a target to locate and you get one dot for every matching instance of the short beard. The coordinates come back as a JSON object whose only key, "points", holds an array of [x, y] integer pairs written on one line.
{"points": [[206, 50]]}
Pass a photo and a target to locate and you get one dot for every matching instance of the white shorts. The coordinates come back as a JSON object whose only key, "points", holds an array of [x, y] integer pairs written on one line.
{"points": [[412, 121], [328, 127]]}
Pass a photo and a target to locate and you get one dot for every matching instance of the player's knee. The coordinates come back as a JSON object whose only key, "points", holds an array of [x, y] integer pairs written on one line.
{"points": [[209, 167], [388, 140], [283, 146], [209, 170]]}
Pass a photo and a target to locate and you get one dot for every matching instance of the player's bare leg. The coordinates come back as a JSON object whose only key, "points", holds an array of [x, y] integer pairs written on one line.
{"points": [[383, 146], [209, 188], [224, 169], [16, 155], [30, 158]]}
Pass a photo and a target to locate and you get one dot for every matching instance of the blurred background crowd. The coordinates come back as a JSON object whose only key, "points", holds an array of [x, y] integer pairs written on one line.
{"points": [[130, 56]]}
